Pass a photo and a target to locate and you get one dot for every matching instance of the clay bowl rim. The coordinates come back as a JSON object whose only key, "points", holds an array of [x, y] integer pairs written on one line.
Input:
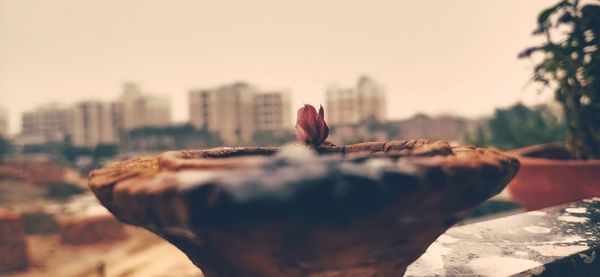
{"points": [[242, 157], [414, 151]]}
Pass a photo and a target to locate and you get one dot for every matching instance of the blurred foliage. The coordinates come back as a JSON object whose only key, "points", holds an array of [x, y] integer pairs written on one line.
{"points": [[273, 138], [39, 223], [375, 126], [571, 68], [66, 152], [71, 153], [5, 148], [492, 207], [518, 126], [140, 139], [63, 191], [105, 151], [170, 137]]}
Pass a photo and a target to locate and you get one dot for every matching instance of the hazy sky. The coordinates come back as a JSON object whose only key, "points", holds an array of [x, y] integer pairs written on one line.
{"points": [[431, 56]]}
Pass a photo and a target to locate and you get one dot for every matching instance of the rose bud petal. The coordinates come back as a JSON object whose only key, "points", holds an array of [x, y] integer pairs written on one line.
{"points": [[324, 130], [311, 128]]}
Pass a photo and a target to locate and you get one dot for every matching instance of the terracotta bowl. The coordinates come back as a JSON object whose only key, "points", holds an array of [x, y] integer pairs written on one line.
{"points": [[366, 209], [548, 177]]}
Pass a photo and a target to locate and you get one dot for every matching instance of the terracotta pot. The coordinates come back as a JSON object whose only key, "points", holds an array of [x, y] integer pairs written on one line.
{"points": [[544, 181], [367, 209]]}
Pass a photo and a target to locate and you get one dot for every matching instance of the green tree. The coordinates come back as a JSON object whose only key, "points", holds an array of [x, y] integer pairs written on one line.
{"points": [[518, 126], [271, 138], [571, 68], [171, 137], [70, 152], [105, 151], [5, 148]]}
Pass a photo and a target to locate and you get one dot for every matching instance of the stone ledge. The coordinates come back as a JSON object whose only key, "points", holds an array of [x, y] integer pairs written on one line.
{"points": [[559, 241]]}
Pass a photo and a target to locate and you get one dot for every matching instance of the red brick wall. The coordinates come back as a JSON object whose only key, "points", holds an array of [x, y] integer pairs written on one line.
{"points": [[12, 173], [91, 230], [13, 245], [39, 171]]}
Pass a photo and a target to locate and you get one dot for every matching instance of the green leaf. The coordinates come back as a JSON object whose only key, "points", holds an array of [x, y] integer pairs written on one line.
{"points": [[545, 14]]}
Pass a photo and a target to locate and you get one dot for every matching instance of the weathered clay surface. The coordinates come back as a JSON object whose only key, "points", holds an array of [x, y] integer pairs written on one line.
{"points": [[367, 209]]}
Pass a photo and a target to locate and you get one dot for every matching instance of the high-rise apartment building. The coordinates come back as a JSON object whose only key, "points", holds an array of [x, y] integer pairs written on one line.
{"points": [[49, 123], [272, 111], [96, 123], [227, 110], [143, 110], [237, 111], [366, 101]]}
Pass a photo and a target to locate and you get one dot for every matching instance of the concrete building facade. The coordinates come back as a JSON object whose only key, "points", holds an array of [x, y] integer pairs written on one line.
{"points": [[365, 101], [272, 111], [96, 123], [49, 123], [238, 110], [227, 110], [143, 110]]}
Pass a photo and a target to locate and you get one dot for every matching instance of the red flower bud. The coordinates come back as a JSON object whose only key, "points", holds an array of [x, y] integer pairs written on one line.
{"points": [[311, 128]]}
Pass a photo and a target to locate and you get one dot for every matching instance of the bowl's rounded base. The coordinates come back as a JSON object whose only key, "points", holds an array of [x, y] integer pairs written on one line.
{"points": [[384, 245]]}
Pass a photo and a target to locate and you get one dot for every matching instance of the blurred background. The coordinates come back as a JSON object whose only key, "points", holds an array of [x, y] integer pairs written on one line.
{"points": [[86, 83]]}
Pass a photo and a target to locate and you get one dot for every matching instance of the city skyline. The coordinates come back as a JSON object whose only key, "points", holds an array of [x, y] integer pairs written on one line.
{"points": [[67, 51], [235, 113]]}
